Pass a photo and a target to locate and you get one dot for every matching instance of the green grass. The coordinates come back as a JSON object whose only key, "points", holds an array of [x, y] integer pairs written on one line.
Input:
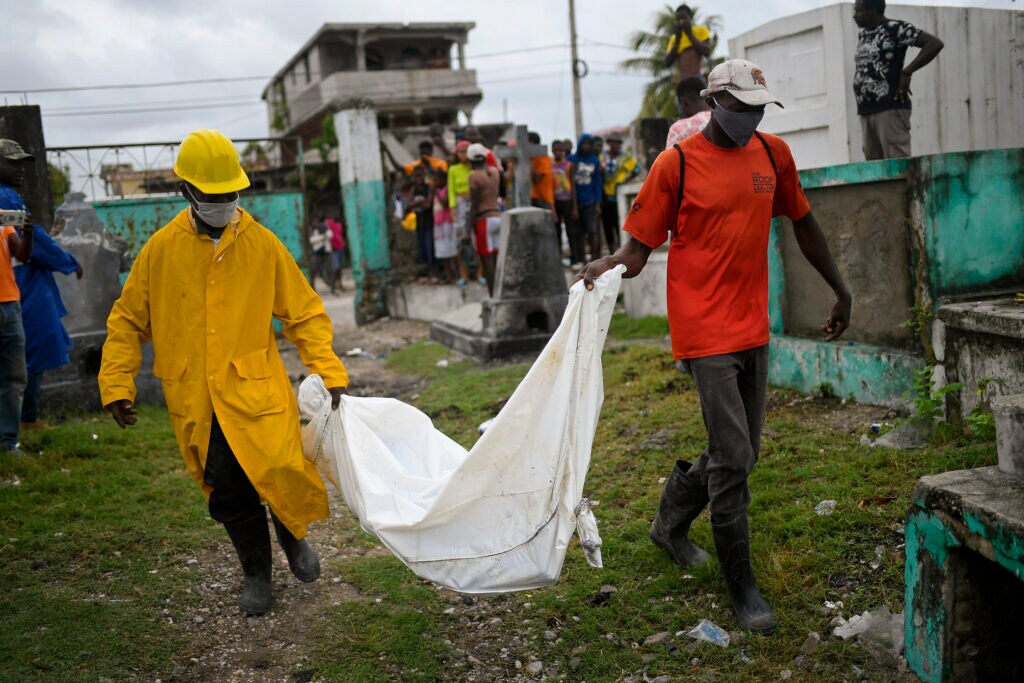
{"points": [[111, 516], [103, 513], [648, 327], [802, 559]]}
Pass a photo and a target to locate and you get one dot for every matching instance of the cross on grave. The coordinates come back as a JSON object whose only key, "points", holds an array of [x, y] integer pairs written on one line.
{"points": [[522, 152]]}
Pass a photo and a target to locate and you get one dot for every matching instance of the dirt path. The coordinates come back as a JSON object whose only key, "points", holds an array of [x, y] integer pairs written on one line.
{"points": [[228, 646]]}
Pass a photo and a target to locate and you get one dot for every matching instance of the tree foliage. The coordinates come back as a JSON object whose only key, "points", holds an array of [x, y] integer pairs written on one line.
{"points": [[328, 138], [60, 183], [660, 93]]}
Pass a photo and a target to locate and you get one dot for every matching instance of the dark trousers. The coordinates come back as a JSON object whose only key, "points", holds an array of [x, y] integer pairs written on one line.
{"points": [[322, 267], [233, 498], [733, 389], [563, 216], [610, 221], [580, 229], [13, 375], [30, 402], [425, 239]]}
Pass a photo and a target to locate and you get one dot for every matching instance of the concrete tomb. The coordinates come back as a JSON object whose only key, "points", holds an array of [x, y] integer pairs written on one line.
{"points": [[965, 576], [530, 294], [77, 229]]}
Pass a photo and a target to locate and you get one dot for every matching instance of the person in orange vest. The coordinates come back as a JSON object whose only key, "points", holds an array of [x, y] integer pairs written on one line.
{"points": [[205, 289]]}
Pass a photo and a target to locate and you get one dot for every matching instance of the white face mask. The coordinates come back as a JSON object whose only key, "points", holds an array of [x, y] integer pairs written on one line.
{"points": [[214, 214]]}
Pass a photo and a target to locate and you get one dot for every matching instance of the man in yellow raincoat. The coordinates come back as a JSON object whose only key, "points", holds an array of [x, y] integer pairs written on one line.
{"points": [[204, 288]]}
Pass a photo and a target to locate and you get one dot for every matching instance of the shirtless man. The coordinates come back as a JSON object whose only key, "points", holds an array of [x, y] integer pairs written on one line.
{"points": [[689, 45], [484, 220]]}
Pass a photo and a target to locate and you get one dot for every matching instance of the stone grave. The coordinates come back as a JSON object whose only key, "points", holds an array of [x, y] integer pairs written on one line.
{"points": [[965, 576], [530, 294], [103, 257]]}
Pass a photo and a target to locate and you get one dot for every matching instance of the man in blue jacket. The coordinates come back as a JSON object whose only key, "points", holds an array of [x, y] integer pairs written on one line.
{"points": [[586, 209], [47, 343]]}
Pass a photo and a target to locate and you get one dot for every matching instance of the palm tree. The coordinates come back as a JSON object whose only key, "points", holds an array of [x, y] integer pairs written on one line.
{"points": [[660, 92]]}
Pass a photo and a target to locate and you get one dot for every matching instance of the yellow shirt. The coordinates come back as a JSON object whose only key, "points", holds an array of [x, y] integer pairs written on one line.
{"points": [[701, 33], [458, 182], [208, 309]]}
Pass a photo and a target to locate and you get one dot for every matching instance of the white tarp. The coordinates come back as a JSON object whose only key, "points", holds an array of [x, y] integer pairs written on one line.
{"points": [[500, 516]]}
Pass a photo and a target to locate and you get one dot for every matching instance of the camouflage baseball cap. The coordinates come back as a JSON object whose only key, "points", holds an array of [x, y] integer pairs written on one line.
{"points": [[742, 79], [9, 149]]}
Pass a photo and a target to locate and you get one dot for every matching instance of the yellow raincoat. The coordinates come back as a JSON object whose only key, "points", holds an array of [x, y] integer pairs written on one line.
{"points": [[208, 310]]}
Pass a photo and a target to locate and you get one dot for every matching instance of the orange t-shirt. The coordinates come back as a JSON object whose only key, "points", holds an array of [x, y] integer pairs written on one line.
{"points": [[718, 258], [8, 286], [543, 189], [435, 165]]}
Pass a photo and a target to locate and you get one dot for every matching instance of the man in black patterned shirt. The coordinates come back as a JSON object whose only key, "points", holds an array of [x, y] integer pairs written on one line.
{"points": [[881, 83]]}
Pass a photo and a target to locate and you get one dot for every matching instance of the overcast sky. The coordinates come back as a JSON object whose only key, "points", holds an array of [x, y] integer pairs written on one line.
{"points": [[96, 42]]}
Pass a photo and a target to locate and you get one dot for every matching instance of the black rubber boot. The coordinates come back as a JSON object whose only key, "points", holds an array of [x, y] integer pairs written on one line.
{"points": [[732, 541], [251, 538], [304, 563], [681, 501]]}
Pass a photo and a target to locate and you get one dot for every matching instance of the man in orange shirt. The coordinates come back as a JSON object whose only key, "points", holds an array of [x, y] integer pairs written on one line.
{"points": [[714, 195], [542, 193], [427, 160]]}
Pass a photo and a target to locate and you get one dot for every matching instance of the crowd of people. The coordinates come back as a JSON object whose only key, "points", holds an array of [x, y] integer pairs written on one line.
{"points": [[453, 200]]}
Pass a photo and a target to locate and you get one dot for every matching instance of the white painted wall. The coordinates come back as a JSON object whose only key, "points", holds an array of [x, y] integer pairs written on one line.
{"points": [[971, 97], [358, 145]]}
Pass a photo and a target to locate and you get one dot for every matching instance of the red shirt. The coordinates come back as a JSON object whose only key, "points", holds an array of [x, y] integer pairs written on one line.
{"points": [[718, 259], [337, 234]]}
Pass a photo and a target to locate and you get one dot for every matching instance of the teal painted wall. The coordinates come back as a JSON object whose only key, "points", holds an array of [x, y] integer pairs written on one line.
{"points": [[365, 215], [136, 219], [851, 174], [870, 374], [974, 219], [368, 226], [970, 206]]}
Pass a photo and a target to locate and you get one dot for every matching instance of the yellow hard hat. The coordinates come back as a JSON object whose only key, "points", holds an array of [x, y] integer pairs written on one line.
{"points": [[209, 160]]}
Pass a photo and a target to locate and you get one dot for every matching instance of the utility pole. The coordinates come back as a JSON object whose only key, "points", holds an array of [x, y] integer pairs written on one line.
{"points": [[577, 104]]}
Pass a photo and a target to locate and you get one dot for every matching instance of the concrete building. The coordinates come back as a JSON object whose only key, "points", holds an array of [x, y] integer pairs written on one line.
{"points": [[970, 98], [405, 70]]}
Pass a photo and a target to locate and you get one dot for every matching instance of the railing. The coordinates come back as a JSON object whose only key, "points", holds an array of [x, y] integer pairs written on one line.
{"points": [[146, 169]]}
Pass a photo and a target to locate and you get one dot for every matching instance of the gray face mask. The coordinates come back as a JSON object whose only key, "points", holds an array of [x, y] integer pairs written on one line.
{"points": [[738, 125], [214, 214]]}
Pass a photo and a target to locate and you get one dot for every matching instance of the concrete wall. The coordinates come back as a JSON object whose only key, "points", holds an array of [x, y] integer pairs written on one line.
{"points": [[361, 175], [971, 97], [394, 90], [904, 231], [136, 219], [981, 344], [24, 125], [866, 229]]}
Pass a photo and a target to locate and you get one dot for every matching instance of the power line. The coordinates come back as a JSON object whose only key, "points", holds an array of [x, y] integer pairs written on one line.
{"points": [[598, 43], [148, 103], [518, 51], [125, 86], [235, 79], [153, 110]]}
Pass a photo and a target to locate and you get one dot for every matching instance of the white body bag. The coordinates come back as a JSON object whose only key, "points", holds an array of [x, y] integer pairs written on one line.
{"points": [[500, 516]]}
